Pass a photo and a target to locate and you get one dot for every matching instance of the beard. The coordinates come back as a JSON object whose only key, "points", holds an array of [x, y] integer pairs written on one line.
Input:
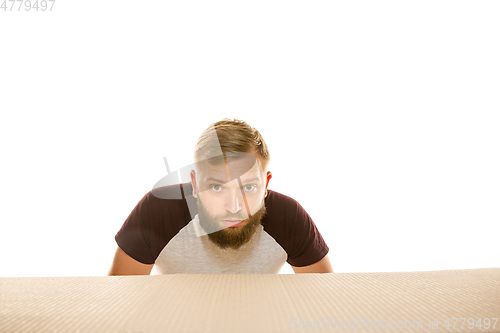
{"points": [[230, 237]]}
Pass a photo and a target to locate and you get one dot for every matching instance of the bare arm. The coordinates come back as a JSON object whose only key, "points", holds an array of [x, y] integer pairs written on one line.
{"points": [[123, 264], [322, 266]]}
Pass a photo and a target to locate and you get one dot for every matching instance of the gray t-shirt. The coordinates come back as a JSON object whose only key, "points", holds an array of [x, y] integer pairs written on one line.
{"points": [[161, 231]]}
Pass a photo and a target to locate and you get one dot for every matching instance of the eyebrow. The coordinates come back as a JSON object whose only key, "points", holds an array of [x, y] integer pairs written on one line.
{"points": [[212, 179]]}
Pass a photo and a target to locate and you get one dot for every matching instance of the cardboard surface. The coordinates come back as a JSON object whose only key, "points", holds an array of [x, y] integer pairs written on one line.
{"points": [[253, 302]]}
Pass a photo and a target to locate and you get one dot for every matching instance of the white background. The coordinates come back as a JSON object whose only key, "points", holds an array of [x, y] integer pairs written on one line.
{"points": [[382, 120]]}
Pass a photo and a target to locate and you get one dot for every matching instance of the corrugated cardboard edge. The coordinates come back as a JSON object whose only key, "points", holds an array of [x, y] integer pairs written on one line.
{"points": [[251, 302]]}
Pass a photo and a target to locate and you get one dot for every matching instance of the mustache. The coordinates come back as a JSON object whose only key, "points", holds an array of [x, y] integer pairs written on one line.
{"points": [[238, 217], [235, 217]]}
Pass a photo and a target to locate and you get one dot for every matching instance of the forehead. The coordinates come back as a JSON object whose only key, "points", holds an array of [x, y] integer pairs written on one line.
{"points": [[228, 168]]}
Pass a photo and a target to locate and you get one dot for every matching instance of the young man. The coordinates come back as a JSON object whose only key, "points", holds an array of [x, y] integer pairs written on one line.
{"points": [[225, 221]]}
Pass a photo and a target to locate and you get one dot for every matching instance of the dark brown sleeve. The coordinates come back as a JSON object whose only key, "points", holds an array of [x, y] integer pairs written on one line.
{"points": [[292, 227], [134, 235], [309, 246]]}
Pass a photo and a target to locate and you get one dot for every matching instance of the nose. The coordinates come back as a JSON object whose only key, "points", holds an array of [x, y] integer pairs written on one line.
{"points": [[235, 202]]}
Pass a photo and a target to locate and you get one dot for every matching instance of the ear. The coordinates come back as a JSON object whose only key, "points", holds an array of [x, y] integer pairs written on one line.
{"points": [[269, 176], [193, 182]]}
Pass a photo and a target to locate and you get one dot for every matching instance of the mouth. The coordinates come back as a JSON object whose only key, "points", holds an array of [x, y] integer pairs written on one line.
{"points": [[232, 223]]}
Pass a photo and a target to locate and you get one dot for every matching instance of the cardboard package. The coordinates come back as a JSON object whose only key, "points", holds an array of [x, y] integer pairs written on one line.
{"points": [[359, 302]]}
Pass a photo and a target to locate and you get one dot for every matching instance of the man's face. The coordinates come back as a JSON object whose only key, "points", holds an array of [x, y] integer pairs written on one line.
{"points": [[230, 211]]}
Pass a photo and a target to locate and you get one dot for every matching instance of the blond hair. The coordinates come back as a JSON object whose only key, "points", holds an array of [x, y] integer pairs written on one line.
{"points": [[231, 136]]}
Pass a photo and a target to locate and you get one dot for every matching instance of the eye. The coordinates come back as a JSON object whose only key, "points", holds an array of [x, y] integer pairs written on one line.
{"points": [[216, 188], [250, 187]]}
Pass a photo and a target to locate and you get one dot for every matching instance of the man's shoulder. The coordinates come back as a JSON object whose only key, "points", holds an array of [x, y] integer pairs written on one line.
{"points": [[171, 199], [170, 192], [279, 205], [279, 198]]}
